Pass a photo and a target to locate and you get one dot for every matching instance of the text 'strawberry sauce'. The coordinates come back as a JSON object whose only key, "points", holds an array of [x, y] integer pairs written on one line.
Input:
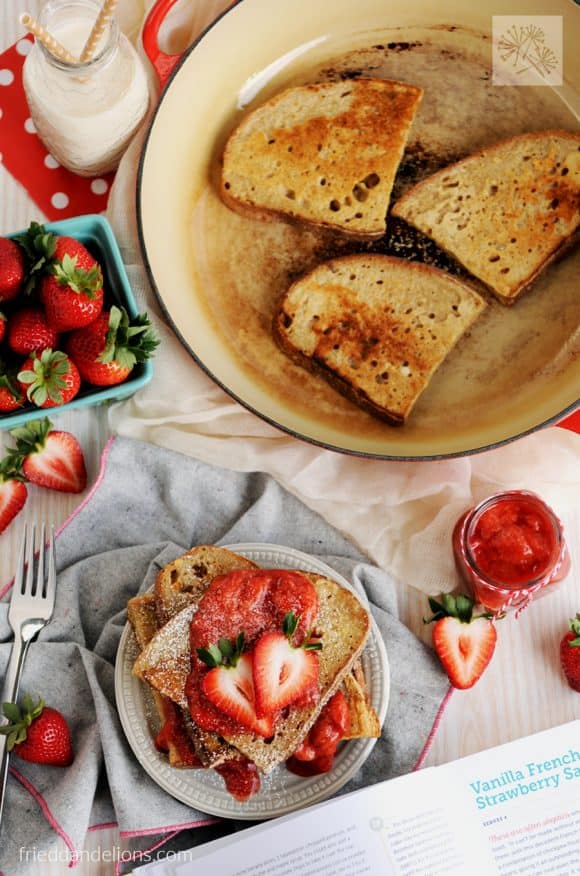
{"points": [[510, 548]]}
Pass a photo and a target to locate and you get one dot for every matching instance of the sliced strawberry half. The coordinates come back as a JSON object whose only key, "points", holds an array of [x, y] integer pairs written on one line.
{"points": [[50, 458], [464, 643], [283, 673], [13, 492], [229, 684]]}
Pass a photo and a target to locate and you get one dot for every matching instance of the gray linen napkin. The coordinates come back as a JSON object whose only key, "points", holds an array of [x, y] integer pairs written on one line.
{"points": [[149, 505]]}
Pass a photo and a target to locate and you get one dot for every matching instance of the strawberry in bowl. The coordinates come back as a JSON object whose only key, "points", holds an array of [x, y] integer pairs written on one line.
{"points": [[49, 379], [71, 285], [12, 269], [106, 351], [29, 332], [71, 273]]}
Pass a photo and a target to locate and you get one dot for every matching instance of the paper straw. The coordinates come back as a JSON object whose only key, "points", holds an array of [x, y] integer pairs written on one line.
{"points": [[99, 26], [47, 40]]}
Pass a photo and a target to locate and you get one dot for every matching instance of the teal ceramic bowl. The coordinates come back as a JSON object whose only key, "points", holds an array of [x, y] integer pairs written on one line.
{"points": [[97, 235]]}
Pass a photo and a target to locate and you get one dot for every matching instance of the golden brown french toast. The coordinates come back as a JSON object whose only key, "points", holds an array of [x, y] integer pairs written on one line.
{"points": [[504, 212], [184, 580], [375, 327], [343, 625], [325, 154]]}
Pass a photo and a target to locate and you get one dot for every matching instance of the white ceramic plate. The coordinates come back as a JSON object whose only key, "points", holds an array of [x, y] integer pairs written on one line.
{"points": [[281, 792]]}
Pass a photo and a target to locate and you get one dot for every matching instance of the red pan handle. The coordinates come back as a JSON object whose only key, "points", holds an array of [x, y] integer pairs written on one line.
{"points": [[162, 62]]}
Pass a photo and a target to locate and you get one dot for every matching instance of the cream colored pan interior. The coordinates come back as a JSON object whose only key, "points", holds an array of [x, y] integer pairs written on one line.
{"points": [[218, 275]]}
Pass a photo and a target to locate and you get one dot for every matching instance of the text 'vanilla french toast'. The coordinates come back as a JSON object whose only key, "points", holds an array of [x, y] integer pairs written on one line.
{"points": [[323, 153]]}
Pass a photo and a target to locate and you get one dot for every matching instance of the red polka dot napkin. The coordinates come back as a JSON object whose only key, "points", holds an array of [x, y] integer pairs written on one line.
{"points": [[58, 192]]}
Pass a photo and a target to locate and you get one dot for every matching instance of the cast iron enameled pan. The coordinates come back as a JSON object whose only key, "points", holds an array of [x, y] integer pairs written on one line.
{"points": [[216, 275]]}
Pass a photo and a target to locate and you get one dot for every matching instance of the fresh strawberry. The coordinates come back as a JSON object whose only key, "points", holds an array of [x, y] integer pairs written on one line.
{"points": [[49, 378], [13, 492], [464, 643], [10, 396], [106, 351], [570, 653], [2, 326], [72, 293], [28, 331], [37, 733], [283, 673], [229, 684], [71, 282], [38, 246], [11, 269], [50, 458]]}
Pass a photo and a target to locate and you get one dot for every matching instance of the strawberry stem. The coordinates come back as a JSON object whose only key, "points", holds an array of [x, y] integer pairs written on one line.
{"points": [[46, 379], [19, 719], [38, 246], [575, 627], [128, 341], [11, 467], [460, 607], [78, 279], [225, 653], [289, 625]]}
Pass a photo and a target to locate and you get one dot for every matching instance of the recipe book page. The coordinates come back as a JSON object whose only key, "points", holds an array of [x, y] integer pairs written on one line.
{"points": [[510, 810]]}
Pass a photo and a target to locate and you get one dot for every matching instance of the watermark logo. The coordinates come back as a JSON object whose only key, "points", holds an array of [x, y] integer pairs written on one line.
{"points": [[527, 50]]}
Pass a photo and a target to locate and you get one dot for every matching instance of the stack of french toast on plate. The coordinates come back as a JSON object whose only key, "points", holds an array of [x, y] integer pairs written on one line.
{"points": [[377, 327], [251, 668]]}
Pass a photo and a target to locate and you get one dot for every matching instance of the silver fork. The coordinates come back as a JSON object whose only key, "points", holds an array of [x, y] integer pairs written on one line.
{"points": [[31, 608]]}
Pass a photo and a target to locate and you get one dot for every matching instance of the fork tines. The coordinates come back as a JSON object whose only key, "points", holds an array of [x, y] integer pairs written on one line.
{"points": [[29, 584]]}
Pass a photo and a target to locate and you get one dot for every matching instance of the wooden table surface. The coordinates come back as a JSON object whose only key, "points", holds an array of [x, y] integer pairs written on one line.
{"points": [[523, 690]]}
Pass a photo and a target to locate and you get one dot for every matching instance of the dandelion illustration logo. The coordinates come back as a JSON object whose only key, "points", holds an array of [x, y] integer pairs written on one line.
{"points": [[527, 50]]}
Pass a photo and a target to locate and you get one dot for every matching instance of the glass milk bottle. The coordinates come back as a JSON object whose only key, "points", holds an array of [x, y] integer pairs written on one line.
{"points": [[85, 113]]}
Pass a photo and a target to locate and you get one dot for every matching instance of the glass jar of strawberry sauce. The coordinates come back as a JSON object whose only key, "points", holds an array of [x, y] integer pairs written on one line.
{"points": [[510, 549]]}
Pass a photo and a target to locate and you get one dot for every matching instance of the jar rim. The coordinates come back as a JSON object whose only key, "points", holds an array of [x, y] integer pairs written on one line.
{"points": [[495, 499], [81, 66]]}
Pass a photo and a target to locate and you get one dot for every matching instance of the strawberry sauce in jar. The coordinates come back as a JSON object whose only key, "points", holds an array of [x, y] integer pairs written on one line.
{"points": [[510, 548]]}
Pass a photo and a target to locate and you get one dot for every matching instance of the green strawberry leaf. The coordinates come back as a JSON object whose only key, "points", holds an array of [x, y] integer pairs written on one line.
{"points": [[464, 607], [211, 656], [38, 246], [226, 648], [128, 341], [12, 712], [78, 280], [289, 624], [459, 606], [575, 627]]}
